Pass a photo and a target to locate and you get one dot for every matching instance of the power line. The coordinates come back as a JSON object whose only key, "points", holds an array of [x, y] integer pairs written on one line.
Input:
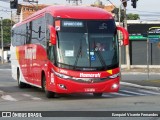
{"points": [[144, 11], [111, 3]]}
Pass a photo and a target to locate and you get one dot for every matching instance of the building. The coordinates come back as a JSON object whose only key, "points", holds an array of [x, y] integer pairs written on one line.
{"points": [[26, 10], [108, 7], [139, 48]]}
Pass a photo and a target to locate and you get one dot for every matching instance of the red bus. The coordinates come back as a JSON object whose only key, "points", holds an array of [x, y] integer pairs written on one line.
{"points": [[56, 49]]}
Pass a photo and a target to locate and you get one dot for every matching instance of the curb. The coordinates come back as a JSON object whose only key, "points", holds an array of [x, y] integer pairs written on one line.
{"points": [[140, 86], [140, 73]]}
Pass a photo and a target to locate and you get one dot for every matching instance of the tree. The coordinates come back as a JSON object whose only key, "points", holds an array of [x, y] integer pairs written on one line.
{"points": [[132, 16], [6, 31], [116, 12]]}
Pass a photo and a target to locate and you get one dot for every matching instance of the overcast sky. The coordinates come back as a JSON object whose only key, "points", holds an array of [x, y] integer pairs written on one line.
{"points": [[147, 9]]}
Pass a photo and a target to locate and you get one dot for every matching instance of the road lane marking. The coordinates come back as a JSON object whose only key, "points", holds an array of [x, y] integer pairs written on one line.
{"points": [[140, 86], [121, 94], [8, 97], [150, 92], [27, 95], [31, 97], [36, 98], [106, 95], [130, 92]]}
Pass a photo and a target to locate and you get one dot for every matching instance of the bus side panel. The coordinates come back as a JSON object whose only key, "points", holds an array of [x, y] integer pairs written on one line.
{"points": [[30, 60], [39, 63], [15, 64]]}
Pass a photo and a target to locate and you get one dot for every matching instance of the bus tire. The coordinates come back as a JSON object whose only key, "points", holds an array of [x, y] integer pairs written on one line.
{"points": [[97, 94], [48, 94], [20, 84]]}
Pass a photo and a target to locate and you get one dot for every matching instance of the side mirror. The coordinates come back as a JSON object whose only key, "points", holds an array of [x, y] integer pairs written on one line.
{"points": [[53, 39], [125, 35]]}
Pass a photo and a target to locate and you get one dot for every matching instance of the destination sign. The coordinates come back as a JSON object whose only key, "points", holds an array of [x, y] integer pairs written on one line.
{"points": [[72, 24]]}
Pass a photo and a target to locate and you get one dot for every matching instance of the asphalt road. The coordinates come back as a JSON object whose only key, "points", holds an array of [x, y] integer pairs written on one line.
{"points": [[127, 96]]}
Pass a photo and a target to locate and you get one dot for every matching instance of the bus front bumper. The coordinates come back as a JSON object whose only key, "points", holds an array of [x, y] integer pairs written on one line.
{"points": [[69, 86]]}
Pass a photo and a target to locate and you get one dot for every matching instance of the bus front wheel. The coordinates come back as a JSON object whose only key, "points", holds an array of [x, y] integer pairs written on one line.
{"points": [[49, 94]]}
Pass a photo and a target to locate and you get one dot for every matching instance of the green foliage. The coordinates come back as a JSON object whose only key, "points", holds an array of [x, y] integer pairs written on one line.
{"points": [[6, 31], [132, 16]]}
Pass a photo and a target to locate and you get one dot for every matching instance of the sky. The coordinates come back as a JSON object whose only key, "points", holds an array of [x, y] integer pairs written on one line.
{"points": [[147, 9]]}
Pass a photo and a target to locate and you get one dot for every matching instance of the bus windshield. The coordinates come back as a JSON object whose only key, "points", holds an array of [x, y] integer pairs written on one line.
{"points": [[87, 45]]}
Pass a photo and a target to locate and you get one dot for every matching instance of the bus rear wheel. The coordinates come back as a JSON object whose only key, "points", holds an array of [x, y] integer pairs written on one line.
{"points": [[97, 94], [20, 84], [48, 94]]}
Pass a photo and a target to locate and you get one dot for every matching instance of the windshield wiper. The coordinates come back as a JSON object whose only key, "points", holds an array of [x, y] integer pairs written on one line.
{"points": [[78, 54], [101, 58]]}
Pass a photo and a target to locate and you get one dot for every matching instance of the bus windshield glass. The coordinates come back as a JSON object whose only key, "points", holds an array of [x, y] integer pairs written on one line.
{"points": [[86, 44]]}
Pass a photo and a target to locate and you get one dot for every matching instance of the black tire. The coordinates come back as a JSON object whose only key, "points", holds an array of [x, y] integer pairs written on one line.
{"points": [[20, 84], [48, 94], [97, 94]]}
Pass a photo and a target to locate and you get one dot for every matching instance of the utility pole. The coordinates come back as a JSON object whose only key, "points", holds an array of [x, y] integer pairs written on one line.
{"points": [[124, 2], [127, 46], [11, 20], [2, 48]]}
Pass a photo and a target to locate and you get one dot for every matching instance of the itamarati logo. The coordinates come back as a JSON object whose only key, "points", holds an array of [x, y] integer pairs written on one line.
{"points": [[98, 75]]}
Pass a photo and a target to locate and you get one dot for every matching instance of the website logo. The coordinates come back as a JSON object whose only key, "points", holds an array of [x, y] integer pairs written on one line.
{"points": [[6, 114]]}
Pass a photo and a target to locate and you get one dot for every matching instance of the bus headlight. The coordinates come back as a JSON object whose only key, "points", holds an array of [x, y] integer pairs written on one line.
{"points": [[61, 75], [114, 86], [114, 76]]}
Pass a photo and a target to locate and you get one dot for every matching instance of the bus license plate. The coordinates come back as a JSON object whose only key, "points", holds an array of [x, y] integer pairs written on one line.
{"points": [[89, 89]]}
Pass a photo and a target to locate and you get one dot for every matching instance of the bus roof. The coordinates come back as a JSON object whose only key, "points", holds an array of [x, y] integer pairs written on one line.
{"points": [[74, 12], [79, 12]]}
